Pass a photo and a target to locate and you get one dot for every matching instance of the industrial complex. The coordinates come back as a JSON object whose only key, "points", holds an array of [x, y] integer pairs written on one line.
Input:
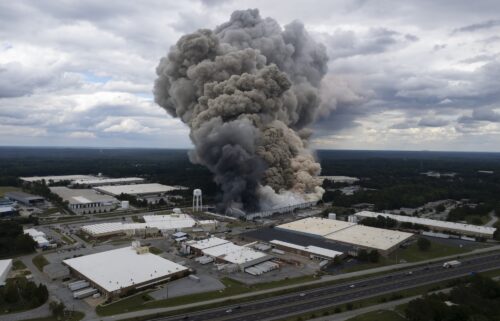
{"points": [[117, 272], [441, 226], [85, 201]]}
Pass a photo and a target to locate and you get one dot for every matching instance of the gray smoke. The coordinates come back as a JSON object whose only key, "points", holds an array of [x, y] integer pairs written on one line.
{"points": [[247, 90]]}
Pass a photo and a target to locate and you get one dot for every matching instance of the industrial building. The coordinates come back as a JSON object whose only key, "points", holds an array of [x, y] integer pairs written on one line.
{"points": [[38, 236], [5, 267], [153, 224], [136, 189], [85, 201], [57, 178], [315, 226], [7, 211], [107, 181], [223, 251], [341, 179], [25, 198], [435, 225], [310, 251], [118, 272], [348, 233]]}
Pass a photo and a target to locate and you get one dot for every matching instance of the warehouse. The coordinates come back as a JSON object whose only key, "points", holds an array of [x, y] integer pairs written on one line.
{"points": [[136, 189], [315, 226], [5, 267], [169, 223], [347, 233], [119, 272], [6, 211], [435, 225], [119, 228], [223, 251], [365, 237], [39, 237], [107, 181], [310, 251], [56, 179], [25, 198], [85, 201]]}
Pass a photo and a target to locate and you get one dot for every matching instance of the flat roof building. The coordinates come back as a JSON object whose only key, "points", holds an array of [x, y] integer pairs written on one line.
{"points": [[171, 222], [7, 211], [136, 189], [108, 181], [224, 251], [442, 226], [25, 198], [309, 251], [383, 240], [315, 226], [118, 272], [5, 267], [358, 236], [57, 178], [38, 236], [85, 201]]}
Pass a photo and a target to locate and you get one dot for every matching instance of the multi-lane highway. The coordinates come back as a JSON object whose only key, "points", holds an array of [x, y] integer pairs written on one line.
{"points": [[299, 302]]}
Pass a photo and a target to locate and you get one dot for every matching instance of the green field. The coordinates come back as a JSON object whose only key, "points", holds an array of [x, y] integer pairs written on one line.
{"points": [[18, 265], [5, 189], [412, 254], [76, 316], [40, 261], [155, 250], [382, 315]]}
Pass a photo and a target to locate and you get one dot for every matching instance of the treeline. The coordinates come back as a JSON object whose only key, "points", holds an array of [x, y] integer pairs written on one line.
{"points": [[21, 294], [13, 241], [475, 300], [460, 213]]}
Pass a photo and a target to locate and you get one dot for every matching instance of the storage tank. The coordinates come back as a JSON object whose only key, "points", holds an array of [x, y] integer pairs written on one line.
{"points": [[332, 216]]}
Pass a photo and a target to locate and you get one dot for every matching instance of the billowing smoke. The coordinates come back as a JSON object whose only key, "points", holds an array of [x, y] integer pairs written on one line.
{"points": [[247, 90]]}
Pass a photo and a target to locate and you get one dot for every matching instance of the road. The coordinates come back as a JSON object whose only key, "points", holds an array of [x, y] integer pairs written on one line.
{"points": [[296, 303], [493, 219]]}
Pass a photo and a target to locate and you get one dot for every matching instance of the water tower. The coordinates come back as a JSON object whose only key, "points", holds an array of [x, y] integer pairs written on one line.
{"points": [[197, 202]]}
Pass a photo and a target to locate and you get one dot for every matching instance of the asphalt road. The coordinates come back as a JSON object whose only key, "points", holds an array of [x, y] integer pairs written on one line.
{"points": [[295, 303]]}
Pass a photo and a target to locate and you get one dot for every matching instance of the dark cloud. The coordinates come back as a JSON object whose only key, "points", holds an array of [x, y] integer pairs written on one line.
{"points": [[478, 26], [432, 122]]}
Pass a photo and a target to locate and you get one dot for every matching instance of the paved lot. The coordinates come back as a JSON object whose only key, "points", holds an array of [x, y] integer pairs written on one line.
{"points": [[186, 286]]}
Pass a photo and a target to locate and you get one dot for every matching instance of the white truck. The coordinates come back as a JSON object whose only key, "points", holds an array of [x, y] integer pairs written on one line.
{"points": [[451, 264]]}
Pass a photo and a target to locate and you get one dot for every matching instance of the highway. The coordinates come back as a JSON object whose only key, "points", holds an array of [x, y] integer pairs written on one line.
{"points": [[277, 307]]}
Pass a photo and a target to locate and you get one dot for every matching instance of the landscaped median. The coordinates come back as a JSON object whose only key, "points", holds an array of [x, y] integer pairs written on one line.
{"points": [[40, 261]]}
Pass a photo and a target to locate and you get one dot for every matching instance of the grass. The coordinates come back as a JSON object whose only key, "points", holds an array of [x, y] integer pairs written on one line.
{"points": [[233, 287], [412, 254], [40, 261], [155, 250], [379, 315], [67, 239], [76, 316], [18, 265], [5, 189]]}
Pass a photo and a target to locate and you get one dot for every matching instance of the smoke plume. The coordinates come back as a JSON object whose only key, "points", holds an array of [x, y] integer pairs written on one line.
{"points": [[248, 90]]}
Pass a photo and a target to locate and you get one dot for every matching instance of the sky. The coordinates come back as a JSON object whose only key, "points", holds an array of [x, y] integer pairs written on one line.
{"points": [[402, 75]]}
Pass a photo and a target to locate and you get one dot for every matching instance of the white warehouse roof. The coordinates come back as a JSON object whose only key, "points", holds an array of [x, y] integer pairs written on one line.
{"points": [[433, 223], [366, 236], [169, 222], [316, 226], [135, 189], [320, 251], [207, 243], [122, 268], [5, 266], [104, 181], [57, 178], [233, 253]]}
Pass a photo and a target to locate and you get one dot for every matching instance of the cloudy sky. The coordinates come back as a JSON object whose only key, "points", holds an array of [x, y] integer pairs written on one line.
{"points": [[409, 75]]}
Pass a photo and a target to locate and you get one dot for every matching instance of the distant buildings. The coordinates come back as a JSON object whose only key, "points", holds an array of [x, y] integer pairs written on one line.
{"points": [[341, 179], [25, 198], [85, 201], [107, 181], [435, 225]]}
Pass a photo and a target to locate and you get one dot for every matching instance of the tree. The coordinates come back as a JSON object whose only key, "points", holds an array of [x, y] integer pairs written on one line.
{"points": [[373, 256], [11, 292], [57, 309], [363, 255], [423, 244]]}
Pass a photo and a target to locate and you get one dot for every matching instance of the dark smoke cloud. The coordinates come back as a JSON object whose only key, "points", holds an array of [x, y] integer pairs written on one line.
{"points": [[248, 90]]}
